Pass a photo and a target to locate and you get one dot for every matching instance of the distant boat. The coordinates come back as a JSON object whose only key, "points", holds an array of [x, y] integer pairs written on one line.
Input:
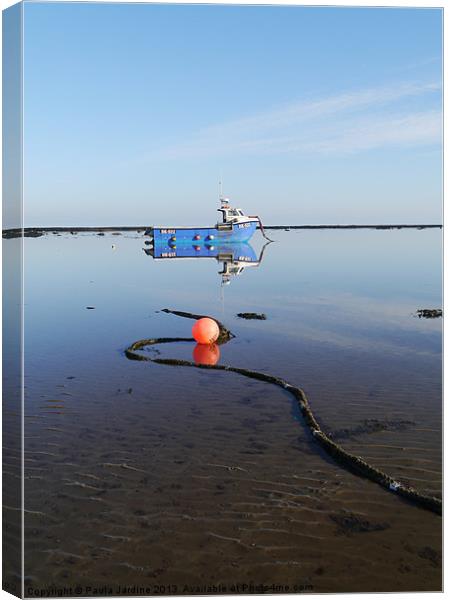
{"points": [[234, 227]]}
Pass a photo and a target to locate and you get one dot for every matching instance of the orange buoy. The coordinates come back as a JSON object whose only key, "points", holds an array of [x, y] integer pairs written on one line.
{"points": [[206, 354], [205, 331]]}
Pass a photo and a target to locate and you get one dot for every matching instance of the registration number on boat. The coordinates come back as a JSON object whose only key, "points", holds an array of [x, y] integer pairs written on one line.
{"points": [[168, 230], [243, 225]]}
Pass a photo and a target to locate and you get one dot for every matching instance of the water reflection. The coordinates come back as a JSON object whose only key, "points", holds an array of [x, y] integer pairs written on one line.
{"points": [[206, 354], [139, 452], [233, 257]]}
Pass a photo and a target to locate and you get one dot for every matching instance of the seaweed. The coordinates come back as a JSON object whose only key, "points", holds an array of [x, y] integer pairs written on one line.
{"points": [[345, 459], [429, 313], [349, 523], [371, 426]]}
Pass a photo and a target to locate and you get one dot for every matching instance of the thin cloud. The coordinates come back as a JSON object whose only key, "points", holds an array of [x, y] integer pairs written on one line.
{"points": [[343, 123], [406, 130], [301, 111]]}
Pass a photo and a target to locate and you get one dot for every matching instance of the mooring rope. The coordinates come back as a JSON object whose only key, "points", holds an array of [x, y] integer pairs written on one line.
{"points": [[261, 228], [347, 460]]}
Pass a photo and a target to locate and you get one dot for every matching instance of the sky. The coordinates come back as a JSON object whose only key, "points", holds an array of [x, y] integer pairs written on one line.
{"points": [[311, 115]]}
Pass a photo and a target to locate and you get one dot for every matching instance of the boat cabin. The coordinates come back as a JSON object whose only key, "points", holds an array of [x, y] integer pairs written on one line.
{"points": [[231, 215], [233, 267]]}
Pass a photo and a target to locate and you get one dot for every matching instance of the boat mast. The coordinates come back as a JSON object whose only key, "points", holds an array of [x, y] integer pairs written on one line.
{"points": [[220, 188]]}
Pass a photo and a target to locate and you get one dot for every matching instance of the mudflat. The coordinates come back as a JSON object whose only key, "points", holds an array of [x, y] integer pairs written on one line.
{"points": [[194, 481]]}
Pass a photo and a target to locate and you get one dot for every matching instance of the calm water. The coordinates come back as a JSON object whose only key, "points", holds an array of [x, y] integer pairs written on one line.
{"points": [[146, 475]]}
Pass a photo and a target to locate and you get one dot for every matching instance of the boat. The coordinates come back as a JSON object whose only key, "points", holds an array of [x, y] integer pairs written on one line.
{"points": [[235, 227], [234, 257]]}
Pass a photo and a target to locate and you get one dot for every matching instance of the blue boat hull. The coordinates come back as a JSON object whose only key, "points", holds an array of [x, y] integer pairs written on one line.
{"points": [[238, 232], [236, 251]]}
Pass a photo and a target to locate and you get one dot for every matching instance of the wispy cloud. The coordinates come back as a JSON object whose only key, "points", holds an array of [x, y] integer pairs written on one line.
{"points": [[343, 123], [406, 130]]}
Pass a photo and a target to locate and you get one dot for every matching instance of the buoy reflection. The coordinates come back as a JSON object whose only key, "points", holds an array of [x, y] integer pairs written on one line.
{"points": [[206, 354]]}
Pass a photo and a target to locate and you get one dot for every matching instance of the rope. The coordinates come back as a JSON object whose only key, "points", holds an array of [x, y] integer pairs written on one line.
{"points": [[345, 459], [261, 228]]}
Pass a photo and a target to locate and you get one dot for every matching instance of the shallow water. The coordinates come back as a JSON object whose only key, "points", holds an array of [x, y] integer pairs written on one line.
{"points": [[147, 475]]}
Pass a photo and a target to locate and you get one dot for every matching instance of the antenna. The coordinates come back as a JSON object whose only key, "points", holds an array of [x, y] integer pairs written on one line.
{"points": [[220, 187], [222, 299]]}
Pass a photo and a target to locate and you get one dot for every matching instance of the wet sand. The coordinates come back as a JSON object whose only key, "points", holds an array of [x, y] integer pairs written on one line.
{"points": [[147, 475], [221, 484]]}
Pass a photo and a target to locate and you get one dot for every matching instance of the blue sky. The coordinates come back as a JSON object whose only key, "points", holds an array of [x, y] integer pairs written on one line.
{"points": [[312, 115]]}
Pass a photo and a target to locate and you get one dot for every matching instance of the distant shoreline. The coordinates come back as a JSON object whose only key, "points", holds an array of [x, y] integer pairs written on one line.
{"points": [[39, 231]]}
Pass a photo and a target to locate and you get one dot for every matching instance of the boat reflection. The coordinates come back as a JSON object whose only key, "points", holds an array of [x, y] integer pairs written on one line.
{"points": [[234, 257]]}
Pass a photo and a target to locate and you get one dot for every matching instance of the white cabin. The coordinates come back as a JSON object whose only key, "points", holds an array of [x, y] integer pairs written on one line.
{"points": [[231, 215]]}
